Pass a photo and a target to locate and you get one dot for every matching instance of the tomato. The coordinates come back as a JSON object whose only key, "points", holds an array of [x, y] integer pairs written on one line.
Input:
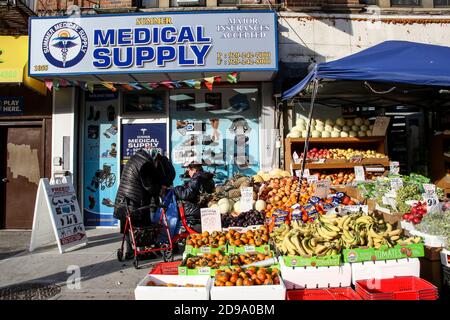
{"points": [[417, 220]]}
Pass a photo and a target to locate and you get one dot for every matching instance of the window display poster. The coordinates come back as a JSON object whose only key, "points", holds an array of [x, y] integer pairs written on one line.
{"points": [[146, 135], [101, 172], [222, 134]]}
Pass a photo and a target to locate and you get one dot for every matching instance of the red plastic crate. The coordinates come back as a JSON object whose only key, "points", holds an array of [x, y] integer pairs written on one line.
{"points": [[398, 288], [323, 294], [168, 268]]}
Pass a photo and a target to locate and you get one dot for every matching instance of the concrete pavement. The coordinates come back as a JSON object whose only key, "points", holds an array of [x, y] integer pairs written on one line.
{"points": [[101, 275]]}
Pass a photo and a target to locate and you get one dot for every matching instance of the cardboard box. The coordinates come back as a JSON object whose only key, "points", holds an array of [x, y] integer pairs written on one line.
{"points": [[202, 250], [144, 292], [385, 269], [431, 271], [384, 253], [445, 257], [316, 277], [273, 292], [244, 249], [433, 254], [326, 261]]}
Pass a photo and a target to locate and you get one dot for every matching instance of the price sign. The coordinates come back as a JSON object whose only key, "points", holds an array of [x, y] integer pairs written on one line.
{"points": [[249, 248], [396, 183], [210, 219], [306, 173], [319, 161], [357, 208], [312, 179], [429, 188], [394, 167], [432, 202], [359, 173], [205, 249], [204, 271], [380, 126], [322, 188], [296, 158], [246, 199], [356, 159]]}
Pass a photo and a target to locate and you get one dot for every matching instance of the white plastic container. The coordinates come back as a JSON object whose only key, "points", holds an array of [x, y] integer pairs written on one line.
{"points": [[445, 257], [385, 269], [429, 240], [316, 277], [262, 292], [144, 292]]}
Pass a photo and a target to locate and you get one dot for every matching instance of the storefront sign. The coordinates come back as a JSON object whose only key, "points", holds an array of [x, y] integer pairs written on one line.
{"points": [[208, 41], [11, 106], [57, 215], [101, 165], [143, 136]]}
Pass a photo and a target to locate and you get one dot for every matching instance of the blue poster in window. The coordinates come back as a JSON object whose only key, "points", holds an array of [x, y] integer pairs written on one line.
{"points": [[101, 172], [146, 135]]}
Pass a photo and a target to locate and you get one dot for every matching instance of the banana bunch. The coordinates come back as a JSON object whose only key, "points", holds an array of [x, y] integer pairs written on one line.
{"points": [[329, 234]]}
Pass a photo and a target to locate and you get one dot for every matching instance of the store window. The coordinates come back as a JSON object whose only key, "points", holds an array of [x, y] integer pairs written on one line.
{"points": [[442, 3], [405, 3], [369, 2], [145, 3], [188, 3], [148, 102], [219, 129]]}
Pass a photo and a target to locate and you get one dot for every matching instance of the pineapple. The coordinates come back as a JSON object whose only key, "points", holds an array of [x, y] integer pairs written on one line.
{"points": [[235, 193]]}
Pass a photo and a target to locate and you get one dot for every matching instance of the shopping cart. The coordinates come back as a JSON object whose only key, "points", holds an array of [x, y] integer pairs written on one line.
{"points": [[162, 235], [144, 240]]}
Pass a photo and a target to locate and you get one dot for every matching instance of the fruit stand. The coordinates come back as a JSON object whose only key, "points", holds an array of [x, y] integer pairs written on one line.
{"points": [[301, 242]]}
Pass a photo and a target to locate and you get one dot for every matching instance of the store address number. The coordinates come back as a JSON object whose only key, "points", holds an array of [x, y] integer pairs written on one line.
{"points": [[42, 67]]}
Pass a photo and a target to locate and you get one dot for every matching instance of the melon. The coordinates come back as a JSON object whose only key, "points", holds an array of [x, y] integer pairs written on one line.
{"points": [[335, 134], [260, 205], [358, 121], [340, 122], [344, 134], [237, 207], [224, 206], [326, 134], [352, 134], [258, 179]]}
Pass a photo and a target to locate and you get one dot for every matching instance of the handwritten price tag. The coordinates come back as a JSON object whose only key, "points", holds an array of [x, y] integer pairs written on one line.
{"points": [[429, 188], [210, 219], [312, 179], [396, 183], [359, 173], [432, 202], [394, 167], [322, 188], [246, 199], [306, 173], [204, 271]]}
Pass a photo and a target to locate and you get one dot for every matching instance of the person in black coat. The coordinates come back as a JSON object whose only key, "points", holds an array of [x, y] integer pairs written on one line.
{"points": [[200, 182], [141, 182]]}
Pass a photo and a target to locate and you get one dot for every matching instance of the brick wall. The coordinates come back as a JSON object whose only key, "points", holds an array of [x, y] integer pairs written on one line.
{"points": [[317, 3], [53, 6]]}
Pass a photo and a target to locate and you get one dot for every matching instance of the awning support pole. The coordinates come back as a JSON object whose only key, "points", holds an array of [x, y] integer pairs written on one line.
{"points": [[306, 146]]}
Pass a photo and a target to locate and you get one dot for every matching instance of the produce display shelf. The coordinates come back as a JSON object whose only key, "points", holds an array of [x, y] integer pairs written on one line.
{"points": [[397, 288], [342, 165], [323, 294], [339, 140]]}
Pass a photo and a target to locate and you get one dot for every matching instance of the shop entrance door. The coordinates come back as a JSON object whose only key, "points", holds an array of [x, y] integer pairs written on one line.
{"points": [[20, 171]]}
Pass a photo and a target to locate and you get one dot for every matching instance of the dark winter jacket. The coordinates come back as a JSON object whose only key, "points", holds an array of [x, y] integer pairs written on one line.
{"points": [[201, 182], [140, 182]]}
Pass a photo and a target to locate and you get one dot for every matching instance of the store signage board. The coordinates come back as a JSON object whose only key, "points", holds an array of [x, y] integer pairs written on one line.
{"points": [[359, 173], [145, 135], [149, 42], [11, 106], [57, 216], [246, 199], [210, 219], [380, 126]]}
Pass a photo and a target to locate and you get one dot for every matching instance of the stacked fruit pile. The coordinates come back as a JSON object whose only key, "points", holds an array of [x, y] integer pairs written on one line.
{"points": [[343, 128], [204, 239], [341, 154], [244, 219], [416, 214], [187, 285], [212, 260], [329, 234], [256, 237], [247, 277], [248, 258]]}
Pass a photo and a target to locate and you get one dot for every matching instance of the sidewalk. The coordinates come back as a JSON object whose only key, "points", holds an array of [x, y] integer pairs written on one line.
{"points": [[102, 275]]}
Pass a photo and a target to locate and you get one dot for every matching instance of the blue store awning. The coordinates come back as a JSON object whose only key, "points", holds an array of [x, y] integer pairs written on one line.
{"points": [[390, 61]]}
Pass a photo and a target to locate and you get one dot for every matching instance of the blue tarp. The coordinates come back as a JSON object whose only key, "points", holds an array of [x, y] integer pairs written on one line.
{"points": [[390, 61]]}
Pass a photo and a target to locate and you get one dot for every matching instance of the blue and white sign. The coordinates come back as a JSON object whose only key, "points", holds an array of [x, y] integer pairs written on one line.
{"points": [[166, 42], [11, 106]]}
